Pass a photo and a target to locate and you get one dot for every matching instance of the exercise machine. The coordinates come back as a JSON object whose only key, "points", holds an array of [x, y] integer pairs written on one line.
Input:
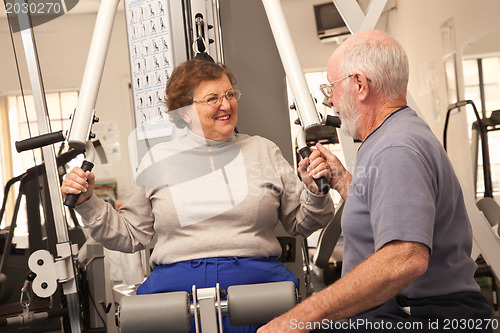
{"points": [[78, 137], [171, 312], [59, 267], [21, 308], [487, 205]]}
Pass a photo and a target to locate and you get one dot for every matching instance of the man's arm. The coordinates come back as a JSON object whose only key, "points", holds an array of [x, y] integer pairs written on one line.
{"points": [[373, 282]]}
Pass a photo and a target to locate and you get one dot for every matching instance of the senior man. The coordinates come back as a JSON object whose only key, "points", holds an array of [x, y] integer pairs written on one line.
{"points": [[407, 236]]}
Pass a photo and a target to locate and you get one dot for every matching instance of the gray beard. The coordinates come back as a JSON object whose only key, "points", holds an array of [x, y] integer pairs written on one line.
{"points": [[350, 118], [348, 127]]}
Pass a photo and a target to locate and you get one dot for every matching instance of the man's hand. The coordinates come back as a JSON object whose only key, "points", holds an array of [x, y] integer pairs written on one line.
{"points": [[339, 177], [288, 322], [276, 325]]}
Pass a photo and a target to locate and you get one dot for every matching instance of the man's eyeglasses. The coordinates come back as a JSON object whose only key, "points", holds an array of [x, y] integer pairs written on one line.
{"points": [[327, 88], [215, 100]]}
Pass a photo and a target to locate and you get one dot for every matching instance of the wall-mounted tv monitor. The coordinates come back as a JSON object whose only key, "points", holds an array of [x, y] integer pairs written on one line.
{"points": [[329, 24]]}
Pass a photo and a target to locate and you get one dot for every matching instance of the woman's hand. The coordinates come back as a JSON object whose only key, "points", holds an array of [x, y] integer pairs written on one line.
{"points": [[79, 181], [310, 166]]}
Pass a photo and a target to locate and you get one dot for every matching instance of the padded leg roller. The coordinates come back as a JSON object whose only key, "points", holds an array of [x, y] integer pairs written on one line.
{"points": [[259, 303], [155, 313]]}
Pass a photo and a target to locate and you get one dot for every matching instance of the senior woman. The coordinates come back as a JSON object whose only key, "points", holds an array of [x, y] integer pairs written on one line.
{"points": [[213, 196]]}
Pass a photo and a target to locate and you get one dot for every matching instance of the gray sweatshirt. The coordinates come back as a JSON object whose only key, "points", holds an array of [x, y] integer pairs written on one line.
{"points": [[207, 198]]}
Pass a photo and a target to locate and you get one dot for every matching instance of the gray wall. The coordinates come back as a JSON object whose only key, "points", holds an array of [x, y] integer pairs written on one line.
{"points": [[251, 53]]}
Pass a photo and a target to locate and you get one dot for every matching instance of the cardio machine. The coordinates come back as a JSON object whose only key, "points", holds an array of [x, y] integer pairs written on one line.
{"points": [[487, 204]]}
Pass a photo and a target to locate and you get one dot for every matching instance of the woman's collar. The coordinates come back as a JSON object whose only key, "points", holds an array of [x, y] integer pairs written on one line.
{"points": [[203, 140]]}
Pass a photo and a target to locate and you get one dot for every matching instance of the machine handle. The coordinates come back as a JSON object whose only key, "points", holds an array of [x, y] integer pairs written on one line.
{"points": [[39, 141], [71, 199], [333, 121], [322, 182]]}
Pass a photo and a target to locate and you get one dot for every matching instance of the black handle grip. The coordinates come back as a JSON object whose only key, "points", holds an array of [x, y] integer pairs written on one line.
{"points": [[322, 183], [333, 121], [39, 141], [71, 199]]}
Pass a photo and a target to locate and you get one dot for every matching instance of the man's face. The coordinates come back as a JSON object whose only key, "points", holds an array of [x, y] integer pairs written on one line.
{"points": [[347, 109], [344, 105]]}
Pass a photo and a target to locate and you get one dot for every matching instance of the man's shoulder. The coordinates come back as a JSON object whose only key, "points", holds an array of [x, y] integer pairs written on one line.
{"points": [[406, 129]]}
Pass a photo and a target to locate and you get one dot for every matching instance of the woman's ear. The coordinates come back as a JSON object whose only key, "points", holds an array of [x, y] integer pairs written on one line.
{"points": [[189, 114], [186, 118]]}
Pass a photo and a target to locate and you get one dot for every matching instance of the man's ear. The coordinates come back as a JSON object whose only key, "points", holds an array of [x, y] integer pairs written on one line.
{"points": [[362, 87]]}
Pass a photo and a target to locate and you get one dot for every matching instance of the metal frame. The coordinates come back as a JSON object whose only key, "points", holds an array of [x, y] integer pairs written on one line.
{"points": [[69, 287], [308, 115]]}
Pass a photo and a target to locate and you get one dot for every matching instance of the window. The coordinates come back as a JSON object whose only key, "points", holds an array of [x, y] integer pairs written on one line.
{"points": [[23, 124], [482, 86], [60, 105]]}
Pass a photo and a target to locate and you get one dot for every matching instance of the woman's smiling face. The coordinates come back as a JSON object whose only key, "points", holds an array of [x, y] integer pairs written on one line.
{"points": [[215, 122]]}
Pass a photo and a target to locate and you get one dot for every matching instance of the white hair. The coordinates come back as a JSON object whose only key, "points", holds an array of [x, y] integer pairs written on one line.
{"points": [[384, 62]]}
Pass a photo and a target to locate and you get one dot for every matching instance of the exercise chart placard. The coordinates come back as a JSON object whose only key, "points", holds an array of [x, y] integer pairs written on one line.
{"points": [[150, 47]]}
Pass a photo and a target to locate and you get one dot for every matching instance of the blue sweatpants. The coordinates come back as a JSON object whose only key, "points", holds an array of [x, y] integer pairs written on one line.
{"points": [[205, 273]]}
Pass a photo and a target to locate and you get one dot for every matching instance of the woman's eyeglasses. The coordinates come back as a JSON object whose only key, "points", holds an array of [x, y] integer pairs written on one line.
{"points": [[215, 100]]}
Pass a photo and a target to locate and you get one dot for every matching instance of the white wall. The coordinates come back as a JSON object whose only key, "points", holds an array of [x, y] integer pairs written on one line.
{"points": [[63, 46]]}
